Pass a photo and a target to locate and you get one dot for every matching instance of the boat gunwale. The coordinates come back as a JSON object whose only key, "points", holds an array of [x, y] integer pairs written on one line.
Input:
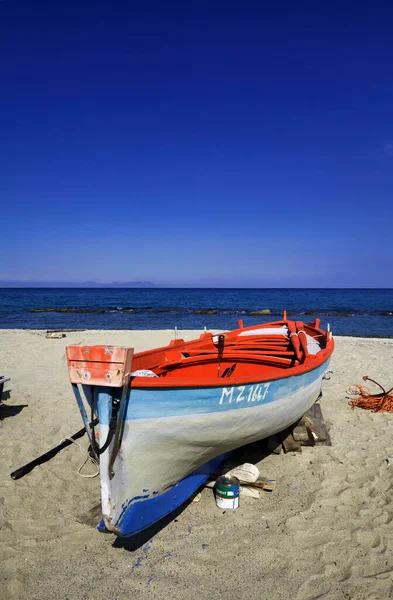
{"points": [[312, 362]]}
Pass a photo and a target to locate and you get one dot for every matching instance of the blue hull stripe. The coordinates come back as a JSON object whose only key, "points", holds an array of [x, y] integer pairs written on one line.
{"points": [[154, 403]]}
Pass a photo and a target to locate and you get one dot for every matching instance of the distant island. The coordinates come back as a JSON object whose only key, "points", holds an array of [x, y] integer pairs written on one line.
{"points": [[77, 284]]}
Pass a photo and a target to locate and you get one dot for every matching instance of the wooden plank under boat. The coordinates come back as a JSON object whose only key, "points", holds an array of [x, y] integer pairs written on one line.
{"points": [[168, 417]]}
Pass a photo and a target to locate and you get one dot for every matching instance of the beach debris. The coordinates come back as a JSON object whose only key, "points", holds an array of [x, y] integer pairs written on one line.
{"points": [[210, 483], [197, 497], [380, 402], [248, 492], [55, 335], [389, 460], [244, 472], [262, 483], [267, 485], [249, 480]]}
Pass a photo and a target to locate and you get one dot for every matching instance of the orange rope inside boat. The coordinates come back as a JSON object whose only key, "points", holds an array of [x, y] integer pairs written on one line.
{"points": [[382, 402]]}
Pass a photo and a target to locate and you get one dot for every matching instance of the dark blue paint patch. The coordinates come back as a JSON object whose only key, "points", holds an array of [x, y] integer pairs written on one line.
{"points": [[136, 565], [145, 550]]}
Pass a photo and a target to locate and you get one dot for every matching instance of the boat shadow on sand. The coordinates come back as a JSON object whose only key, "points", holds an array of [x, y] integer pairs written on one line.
{"points": [[251, 453], [93, 517], [9, 410]]}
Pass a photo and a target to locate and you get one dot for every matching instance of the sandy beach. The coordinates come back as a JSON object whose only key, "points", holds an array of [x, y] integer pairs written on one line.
{"points": [[325, 532]]}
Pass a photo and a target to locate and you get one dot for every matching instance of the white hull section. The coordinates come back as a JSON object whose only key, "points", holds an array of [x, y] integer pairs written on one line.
{"points": [[157, 453]]}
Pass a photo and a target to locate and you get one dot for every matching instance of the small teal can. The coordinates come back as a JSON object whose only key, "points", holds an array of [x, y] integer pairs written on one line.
{"points": [[227, 491]]}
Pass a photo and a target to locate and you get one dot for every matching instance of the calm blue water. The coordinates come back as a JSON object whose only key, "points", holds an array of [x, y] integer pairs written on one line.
{"points": [[361, 312]]}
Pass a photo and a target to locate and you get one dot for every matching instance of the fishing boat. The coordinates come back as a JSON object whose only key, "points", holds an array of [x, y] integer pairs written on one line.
{"points": [[162, 421]]}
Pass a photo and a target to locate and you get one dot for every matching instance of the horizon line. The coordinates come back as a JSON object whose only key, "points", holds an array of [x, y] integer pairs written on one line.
{"points": [[66, 285]]}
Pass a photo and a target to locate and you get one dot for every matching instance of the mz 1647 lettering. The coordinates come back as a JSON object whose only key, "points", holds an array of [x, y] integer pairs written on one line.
{"points": [[244, 393]]}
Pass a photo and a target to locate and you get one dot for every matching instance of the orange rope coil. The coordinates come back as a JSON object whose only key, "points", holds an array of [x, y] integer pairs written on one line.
{"points": [[381, 402]]}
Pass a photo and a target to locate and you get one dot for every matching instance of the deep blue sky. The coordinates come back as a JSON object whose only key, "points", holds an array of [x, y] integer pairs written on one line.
{"points": [[197, 143]]}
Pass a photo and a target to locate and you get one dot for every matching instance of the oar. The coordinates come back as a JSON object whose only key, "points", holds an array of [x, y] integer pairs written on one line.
{"points": [[50, 453]]}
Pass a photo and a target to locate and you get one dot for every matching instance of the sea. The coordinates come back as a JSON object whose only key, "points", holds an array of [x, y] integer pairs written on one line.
{"points": [[351, 312]]}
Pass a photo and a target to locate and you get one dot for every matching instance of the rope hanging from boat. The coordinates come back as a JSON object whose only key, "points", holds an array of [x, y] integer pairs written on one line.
{"points": [[381, 402], [93, 460]]}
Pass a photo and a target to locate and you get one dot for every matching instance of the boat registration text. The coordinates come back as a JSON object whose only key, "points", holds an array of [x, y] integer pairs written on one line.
{"points": [[244, 393]]}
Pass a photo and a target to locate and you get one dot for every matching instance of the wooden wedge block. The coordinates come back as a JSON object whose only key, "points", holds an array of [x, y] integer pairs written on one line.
{"points": [[291, 445], [315, 423], [310, 430], [300, 433], [319, 432]]}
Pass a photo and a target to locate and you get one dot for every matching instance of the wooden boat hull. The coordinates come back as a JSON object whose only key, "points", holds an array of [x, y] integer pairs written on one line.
{"points": [[181, 409], [174, 439]]}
